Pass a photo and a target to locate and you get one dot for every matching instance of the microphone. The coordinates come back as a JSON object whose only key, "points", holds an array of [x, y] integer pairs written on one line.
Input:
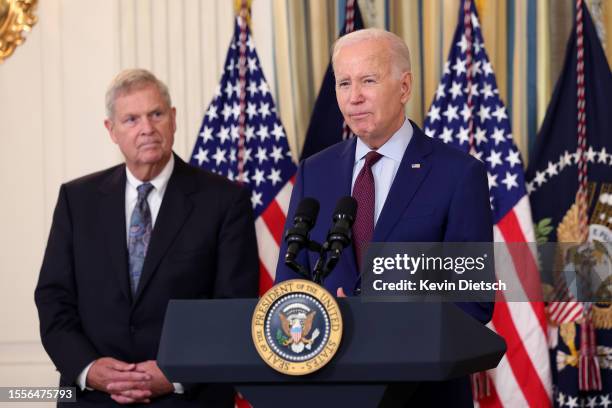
{"points": [[339, 236], [297, 236]]}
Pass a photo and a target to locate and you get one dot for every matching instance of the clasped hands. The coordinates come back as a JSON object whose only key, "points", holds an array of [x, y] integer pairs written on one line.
{"points": [[128, 383]]}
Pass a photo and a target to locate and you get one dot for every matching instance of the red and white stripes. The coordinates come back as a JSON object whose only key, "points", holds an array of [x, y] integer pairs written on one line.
{"points": [[564, 312], [589, 373], [523, 376], [269, 230]]}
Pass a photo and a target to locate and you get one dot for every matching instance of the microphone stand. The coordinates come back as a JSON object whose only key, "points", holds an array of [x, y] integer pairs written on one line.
{"points": [[324, 265], [320, 271], [312, 246]]}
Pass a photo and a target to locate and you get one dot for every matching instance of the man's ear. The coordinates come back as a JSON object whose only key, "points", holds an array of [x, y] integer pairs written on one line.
{"points": [[406, 86], [108, 124]]}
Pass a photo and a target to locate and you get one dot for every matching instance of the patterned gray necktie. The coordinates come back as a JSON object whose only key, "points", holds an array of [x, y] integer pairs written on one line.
{"points": [[139, 234]]}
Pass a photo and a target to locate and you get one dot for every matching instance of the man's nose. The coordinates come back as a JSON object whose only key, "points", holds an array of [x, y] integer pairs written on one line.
{"points": [[356, 94], [146, 125]]}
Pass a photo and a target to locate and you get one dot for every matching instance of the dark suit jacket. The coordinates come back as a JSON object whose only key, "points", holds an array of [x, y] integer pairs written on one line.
{"points": [[445, 199], [83, 295]]}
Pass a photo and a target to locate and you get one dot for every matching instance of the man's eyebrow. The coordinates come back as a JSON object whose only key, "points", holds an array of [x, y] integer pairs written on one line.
{"points": [[156, 109]]}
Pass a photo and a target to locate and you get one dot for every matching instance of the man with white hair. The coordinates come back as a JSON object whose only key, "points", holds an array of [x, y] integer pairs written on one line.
{"points": [[408, 187], [126, 240]]}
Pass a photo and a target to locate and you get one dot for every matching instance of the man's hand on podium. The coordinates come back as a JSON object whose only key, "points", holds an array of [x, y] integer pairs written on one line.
{"points": [[340, 292]]}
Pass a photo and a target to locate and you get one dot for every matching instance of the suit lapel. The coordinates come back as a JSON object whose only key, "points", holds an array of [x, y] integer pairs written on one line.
{"points": [[406, 182], [112, 216], [347, 159], [173, 213]]}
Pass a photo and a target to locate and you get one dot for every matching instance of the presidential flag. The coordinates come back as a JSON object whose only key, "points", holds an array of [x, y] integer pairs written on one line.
{"points": [[573, 153], [327, 125], [468, 113], [242, 138]]}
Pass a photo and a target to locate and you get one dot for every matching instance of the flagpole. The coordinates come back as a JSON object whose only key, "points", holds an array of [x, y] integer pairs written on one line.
{"points": [[467, 22], [581, 109], [242, 67], [589, 376], [349, 26]]}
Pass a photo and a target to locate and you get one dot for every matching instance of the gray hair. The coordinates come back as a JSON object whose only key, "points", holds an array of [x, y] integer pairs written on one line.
{"points": [[397, 48], [127, 81]]}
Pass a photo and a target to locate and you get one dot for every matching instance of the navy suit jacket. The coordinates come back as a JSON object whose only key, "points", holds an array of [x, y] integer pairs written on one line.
{"points": [[445, 198]]}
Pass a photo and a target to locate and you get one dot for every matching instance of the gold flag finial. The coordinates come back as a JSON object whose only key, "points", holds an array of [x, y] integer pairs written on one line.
{"points": [[238, 9]]}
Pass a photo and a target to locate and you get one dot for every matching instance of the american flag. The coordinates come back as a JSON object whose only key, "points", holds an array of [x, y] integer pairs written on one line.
{"points": [[242, 138], [467, 112]]}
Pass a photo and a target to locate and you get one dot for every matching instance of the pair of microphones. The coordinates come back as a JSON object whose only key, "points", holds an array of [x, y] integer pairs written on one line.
{"points": [[338, 237]]}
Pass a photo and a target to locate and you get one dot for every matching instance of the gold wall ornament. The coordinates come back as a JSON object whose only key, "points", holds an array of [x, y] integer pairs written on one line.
{"points": [[16, 17]]}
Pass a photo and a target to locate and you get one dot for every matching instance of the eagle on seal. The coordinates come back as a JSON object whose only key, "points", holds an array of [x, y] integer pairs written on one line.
{"points": [[296, 330]]}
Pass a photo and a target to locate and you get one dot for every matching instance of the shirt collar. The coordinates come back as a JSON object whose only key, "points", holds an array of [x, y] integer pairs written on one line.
{"points": [[159, 182], [393, 148]]}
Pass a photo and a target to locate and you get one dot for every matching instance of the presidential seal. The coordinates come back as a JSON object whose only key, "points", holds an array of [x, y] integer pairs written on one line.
{"points": [[297, 327]]}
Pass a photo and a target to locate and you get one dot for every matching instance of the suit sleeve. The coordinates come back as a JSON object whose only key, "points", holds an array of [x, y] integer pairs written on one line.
{"points": [[56, 299], [237, 260], [283, 272], [470, 219]]}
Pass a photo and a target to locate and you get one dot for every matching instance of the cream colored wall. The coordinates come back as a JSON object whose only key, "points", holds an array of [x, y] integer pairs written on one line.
{"points": [[51, 124]]}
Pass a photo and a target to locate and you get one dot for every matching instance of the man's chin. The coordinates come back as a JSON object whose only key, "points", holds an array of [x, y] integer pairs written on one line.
{"points": [[154, 156], [362, 132], [360, 127]]}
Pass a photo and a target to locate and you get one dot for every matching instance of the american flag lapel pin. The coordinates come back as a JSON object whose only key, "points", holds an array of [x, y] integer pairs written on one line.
{"points": [[416, 165]]}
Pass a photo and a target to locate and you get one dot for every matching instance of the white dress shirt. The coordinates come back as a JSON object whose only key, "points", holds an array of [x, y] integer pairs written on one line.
{"points": [[154, 200], [385, 169]]}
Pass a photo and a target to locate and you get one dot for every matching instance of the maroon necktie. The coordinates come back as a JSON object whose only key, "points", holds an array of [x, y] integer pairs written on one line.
{"points": [[363, 192]]}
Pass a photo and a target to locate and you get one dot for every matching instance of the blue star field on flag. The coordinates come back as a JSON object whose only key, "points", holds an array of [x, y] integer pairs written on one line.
{"points": [[267, 158]]}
